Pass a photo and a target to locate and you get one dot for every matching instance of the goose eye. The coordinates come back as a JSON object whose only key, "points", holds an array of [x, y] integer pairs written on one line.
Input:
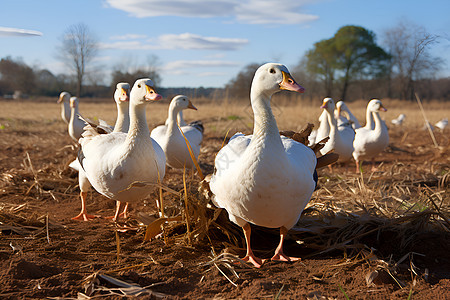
{"points": [[139, 85], [272, 71]]}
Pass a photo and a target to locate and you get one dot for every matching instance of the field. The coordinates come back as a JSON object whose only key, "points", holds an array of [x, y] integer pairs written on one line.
{"points": [[375, 235]]}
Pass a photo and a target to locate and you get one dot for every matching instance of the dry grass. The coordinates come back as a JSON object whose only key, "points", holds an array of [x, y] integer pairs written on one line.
{"points": [[292, 113], [404, 205]]}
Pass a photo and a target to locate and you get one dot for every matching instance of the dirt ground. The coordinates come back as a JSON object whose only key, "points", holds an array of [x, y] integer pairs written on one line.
{"points": [[46, 254]]}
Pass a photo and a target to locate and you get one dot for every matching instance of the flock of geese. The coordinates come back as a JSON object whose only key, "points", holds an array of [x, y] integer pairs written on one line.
{"points": [[264, 178], [346, 136]]}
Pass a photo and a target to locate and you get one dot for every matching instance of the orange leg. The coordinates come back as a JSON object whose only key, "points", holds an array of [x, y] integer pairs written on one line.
{"points": [[357, 166], [250, 257], [279, 254], [83, 215], [374, 168], [118, 214]]}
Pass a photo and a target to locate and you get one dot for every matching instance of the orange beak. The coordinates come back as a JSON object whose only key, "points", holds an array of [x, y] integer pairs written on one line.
{"points": [[289, 84], [124, 95], [382, 108], [152, 95], [191, 106]]}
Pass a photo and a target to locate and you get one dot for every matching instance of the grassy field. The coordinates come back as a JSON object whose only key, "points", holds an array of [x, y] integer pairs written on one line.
{"points": [[291, 112], [375, 235]]}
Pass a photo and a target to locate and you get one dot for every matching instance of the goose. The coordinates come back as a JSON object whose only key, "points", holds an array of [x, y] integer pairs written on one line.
{"points": [[399, 120], [340, 137], [64, 99], [125, 166], [121, 97], [350, 118], [442, 124], [264, 179], [172, 141], [324, 126], [76, 124], [369, 142]]}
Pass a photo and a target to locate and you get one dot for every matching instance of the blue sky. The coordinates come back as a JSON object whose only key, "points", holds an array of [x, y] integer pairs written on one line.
{"points": [[203, 42]]}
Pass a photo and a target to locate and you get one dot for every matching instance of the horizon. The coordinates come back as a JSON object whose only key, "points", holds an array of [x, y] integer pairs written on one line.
{"points": [[199, 44]]}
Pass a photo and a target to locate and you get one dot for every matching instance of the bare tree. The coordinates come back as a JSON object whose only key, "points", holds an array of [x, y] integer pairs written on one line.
{"points": [[409, 46], [129, 69], [78, 48]]}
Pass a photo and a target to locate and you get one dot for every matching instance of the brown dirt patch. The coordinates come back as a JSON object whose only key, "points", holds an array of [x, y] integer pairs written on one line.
{"points": [[43, 253]]}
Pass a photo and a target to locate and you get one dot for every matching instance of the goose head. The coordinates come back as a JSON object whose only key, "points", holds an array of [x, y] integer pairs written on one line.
{"points": [[271, 78], [375, 105], [341, 106], [181, 102], [143, 92], [328, 105], [122, 93], [73, 102], [63, 97]]}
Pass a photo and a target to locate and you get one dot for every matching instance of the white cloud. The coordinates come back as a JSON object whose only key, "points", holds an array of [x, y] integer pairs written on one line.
{"points": [[197, 42], [263, 12], [180, 8], [130, 36], [243, 11], [7, 31], [184, 66], [185, 41]]}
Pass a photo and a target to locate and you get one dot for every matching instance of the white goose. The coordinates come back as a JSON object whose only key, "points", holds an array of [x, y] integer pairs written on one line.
{"points": [[115, 162], [442, 124], [172, 141], [76, 124], [371, 141], [340, 137], [64, 99], [324, 126], [264, 179], [121, 97], [399, 120], [350, 118]]}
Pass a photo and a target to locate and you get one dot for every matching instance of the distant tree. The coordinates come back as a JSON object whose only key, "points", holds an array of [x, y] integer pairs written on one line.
{"points": [[129, 71], [321, 61], [77, 50], [409, 46], [312, 82], [239, 86], [46, 83], [15, 75], [351, 54]]}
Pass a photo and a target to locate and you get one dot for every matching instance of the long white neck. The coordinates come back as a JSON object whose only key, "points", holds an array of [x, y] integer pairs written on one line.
{"points": [[378, 126], [73, 113], [265, 124], [138, 130], [123, 119], [65, 110], [180, 119], [172, 127], [332, 122], [369, 120]]}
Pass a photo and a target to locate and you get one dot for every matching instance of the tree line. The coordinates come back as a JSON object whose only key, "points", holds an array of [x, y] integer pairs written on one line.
{"points": [[349, 65]]}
